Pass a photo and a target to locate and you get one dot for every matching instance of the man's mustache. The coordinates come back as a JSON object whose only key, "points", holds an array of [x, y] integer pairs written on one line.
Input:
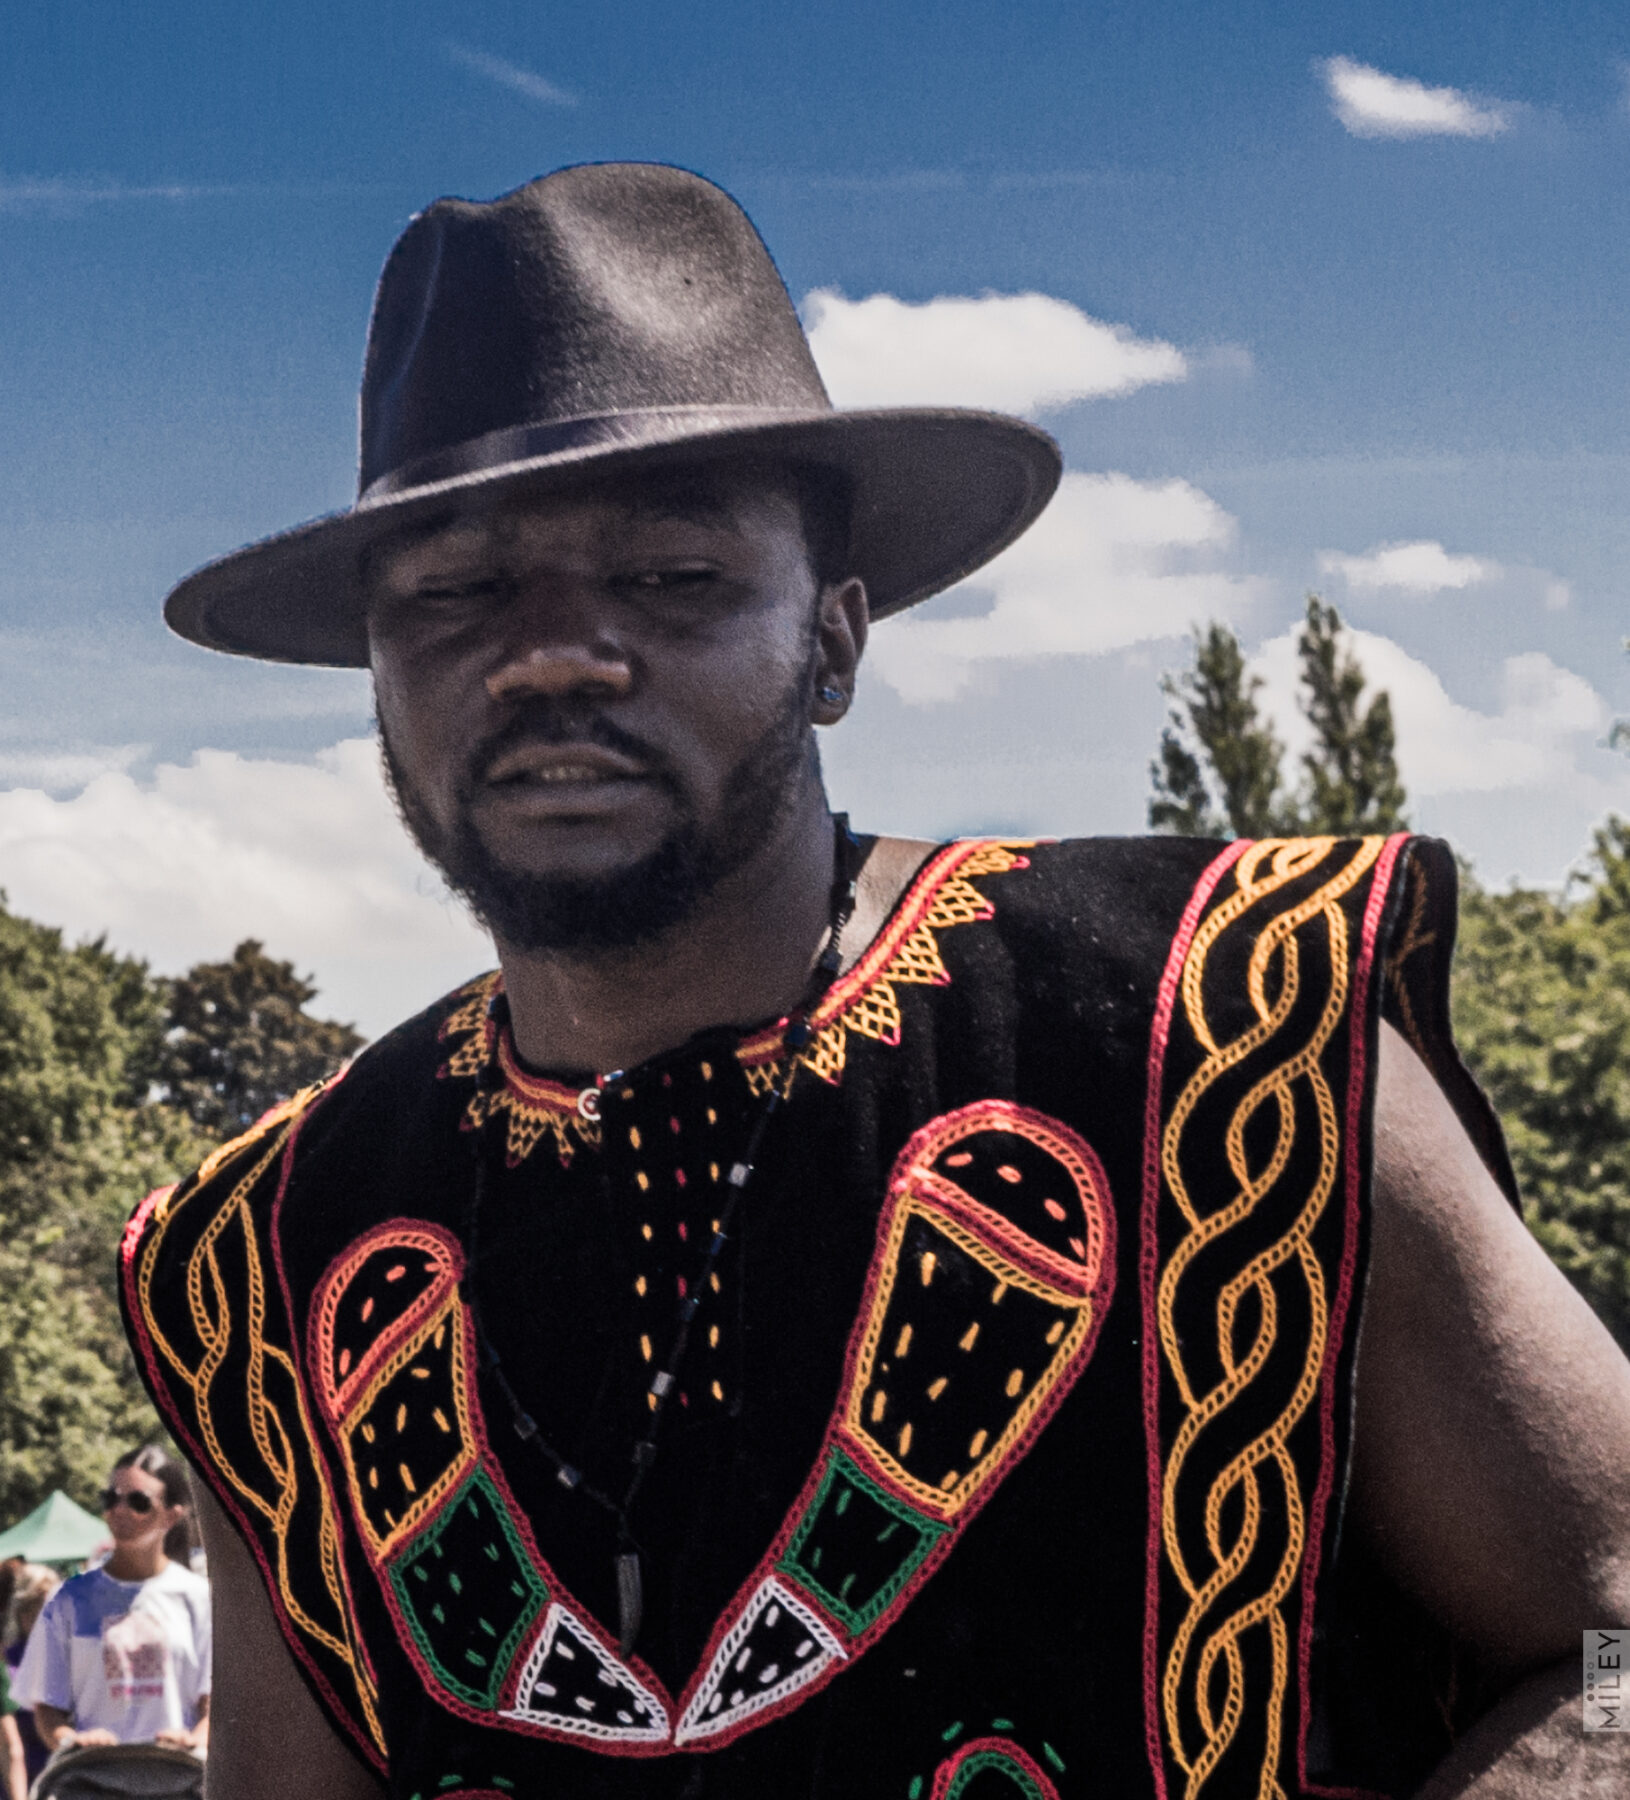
{"points": [[539, 720]]}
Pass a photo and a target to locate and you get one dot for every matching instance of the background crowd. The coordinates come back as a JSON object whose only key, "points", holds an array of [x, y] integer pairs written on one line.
{"points": [[118, 1653]]}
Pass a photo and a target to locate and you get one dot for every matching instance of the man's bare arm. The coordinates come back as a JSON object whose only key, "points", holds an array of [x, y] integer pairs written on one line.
{"points": [[268, 1737], [1531, 1745], [1492, 1433]]}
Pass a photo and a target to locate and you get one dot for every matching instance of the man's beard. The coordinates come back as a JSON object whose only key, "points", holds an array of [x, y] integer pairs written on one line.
{"points": [[589, 914]]}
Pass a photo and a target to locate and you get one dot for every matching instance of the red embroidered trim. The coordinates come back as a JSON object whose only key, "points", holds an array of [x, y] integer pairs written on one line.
{"points": [[395, 1233], [1375, 906], [536, 1106], [905, 950], [1076, 1285], [130, 1238], [129, 1254], [916, 1190], [319, 1461], [1004, 1748], [443, 1296], [1148, 1271], [1351, 981], [537, 1089]]}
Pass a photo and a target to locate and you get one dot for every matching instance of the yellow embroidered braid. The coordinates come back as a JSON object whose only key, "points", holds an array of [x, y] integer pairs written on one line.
{"points": [[1205, 1641], [210, 1314]]}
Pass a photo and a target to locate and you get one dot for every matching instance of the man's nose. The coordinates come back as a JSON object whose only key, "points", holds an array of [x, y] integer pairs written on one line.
{"points": [[557, 652]]}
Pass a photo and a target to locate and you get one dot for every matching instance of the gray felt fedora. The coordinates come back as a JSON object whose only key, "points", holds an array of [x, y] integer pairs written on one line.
{"points": [[604, 317]]}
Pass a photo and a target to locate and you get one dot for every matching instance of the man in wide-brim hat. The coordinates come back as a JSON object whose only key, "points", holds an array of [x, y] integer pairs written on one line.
{"points": [[834, 1315]]}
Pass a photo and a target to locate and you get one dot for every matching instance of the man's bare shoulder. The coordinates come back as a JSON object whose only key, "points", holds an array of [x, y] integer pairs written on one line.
{"points": [[1493, 1416]]}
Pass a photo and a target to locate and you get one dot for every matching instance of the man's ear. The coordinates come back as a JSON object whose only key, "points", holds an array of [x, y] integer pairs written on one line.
{"points": [[844, 619]]}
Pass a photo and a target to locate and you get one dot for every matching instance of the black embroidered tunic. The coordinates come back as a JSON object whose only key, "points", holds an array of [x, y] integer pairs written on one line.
{"points": [[1009, 1453]]}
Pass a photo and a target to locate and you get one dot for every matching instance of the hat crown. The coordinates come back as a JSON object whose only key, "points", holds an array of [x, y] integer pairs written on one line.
{"points": [[600, 322], [601, 289]]}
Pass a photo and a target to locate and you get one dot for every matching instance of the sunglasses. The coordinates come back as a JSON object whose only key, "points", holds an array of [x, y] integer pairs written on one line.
{"points": [[139, 1503]]}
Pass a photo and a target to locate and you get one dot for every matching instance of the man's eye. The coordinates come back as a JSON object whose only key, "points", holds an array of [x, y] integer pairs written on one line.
{"points": [[452, 593], [656, 581]]}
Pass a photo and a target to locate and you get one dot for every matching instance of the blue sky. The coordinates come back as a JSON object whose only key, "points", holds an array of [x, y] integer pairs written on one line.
{"points": [[1368, 341]]}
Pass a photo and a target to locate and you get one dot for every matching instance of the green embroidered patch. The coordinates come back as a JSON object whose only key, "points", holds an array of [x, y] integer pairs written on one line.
{"points": [[993, 1762], [468, 1592], [857, 1546]]}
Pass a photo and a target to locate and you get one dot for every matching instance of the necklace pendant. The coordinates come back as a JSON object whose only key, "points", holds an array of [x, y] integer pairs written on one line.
{"points": [[588, 1102], [630, 1599]]}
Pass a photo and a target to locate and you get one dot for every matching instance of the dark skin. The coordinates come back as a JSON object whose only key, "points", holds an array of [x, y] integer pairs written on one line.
{"points": [[1493, 1414], [686, 632]]}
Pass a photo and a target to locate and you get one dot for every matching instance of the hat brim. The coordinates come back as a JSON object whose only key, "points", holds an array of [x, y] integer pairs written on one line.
{"points": [[936, 494]]}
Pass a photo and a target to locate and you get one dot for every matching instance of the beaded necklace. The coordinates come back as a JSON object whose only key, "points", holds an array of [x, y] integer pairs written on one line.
{"points": [[796, 1032]]}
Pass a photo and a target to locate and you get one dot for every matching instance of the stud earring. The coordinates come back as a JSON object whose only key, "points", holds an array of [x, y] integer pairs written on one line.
{"points": [[831, 695]]}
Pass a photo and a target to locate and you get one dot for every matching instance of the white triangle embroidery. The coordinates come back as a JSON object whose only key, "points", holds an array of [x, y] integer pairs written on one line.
{"points": [[571, 1683], [775, 1648]]}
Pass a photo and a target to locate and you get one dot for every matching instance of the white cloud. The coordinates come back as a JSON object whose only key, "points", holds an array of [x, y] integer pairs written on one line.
{"points": [[1416, 568], [66, 769], [308, 857], [1112, 562], [1372, 104], [1547, 717], [897, 181], [510, 75], [67, 193], [1018, 353]]}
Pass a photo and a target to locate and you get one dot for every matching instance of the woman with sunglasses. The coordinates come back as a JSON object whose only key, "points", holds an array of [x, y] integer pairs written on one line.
{"points": [[120, 1654]]}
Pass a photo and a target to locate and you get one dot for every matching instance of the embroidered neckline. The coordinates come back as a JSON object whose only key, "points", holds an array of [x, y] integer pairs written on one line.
{"points": [[905, 952], [536, 1105]]}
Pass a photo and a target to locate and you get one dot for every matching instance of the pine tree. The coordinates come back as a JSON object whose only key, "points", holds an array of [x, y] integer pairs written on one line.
{"points": [[1217, 774], [1352, 784], [1220, 768]]}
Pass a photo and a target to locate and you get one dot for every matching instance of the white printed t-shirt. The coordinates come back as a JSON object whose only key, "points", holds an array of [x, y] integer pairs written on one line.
{"points": [[131, 1657]]}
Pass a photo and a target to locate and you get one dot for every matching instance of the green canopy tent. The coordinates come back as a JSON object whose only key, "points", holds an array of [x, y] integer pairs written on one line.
{"points": [[57, 1531]]}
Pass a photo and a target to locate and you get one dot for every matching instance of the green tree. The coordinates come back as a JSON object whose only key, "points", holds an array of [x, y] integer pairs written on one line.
{"points": [[112, 1083], [1217, 771], [1542, 1013], [1220, 771], [1352, 784], [239, 1040], [79, 1143]]}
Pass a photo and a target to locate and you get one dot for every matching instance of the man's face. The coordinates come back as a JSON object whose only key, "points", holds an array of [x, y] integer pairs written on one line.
{"points": [[597, 706]]}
